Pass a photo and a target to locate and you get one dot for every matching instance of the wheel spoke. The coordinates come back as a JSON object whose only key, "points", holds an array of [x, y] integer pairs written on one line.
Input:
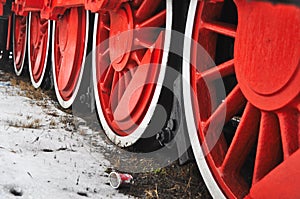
{"points": [[269, 151], [134, 90], [113, 100], [221, 28], [38, 59], [44, 26], [121, 86], [103, 60], [134, 57], [218, 152], [132, 67], [222, 70], [146, 9], [231, 106], [106, 84], [65, 71], [105, 53], [155, 21], [127, 77], [137, 3], [289, 131], [124, 107], [243, 140], [106, 27], [138, 42], [66, 67], [234, 102]]}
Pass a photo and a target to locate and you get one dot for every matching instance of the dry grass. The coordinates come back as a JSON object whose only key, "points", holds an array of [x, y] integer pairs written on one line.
{"points": [[53, 113], [152, 193], [33, 124], [52, 124], [28, 90]]}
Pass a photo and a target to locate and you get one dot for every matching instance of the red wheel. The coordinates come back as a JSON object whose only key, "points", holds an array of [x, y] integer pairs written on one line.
{"points": [[70, 36], [38, 44], [122, 70], [261, 107], [19, 43]]}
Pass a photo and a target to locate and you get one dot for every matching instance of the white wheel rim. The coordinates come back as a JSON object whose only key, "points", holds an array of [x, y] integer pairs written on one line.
{"points": [[125, 141], [205, 171], [19, 72], [39, 82], [62, 102]]}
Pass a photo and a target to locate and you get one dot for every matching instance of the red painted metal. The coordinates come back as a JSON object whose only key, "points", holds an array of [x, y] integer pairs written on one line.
{"points": [[22, 7], [267, 57], [49, 9], [122, 83], [282, 182], [2, 2], [19, 42], [266, 65], [69, 50], [55, 8], [98, 5], [38, 42], [9, 29], [52, 9]]}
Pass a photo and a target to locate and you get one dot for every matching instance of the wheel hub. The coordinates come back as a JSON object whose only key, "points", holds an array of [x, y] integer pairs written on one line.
{"points": [[269, 76], [121, 37]]}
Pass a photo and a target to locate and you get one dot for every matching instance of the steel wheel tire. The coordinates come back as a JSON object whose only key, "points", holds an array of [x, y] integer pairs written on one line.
{"points": [[68, 71], [246, 157], [117, 135], [38, 47], [19, 43]]}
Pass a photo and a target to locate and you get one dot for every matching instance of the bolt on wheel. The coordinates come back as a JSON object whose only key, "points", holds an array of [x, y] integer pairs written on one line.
{"points": [[130, 53], [69, 46], [38, 46], [19, 42], [246, 136]]}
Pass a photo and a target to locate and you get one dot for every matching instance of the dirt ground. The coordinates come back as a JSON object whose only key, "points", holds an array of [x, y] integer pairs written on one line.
{"points": [[173, 181]]}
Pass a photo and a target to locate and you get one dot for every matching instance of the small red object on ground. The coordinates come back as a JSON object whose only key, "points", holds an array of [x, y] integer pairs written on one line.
{"points": [[118, 180]]}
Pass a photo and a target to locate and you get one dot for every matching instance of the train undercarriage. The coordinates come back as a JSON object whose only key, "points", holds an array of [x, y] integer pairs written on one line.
{"points": [[219, 76]]}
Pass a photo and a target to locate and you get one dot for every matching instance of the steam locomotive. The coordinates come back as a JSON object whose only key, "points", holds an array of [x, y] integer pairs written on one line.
{"points": [[225, 72]]}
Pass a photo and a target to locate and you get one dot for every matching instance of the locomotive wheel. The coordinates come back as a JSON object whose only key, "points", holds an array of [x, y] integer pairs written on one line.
{"points": [[262, 115], [69, 46], [125, 100], [19, 43], [38, 45]]}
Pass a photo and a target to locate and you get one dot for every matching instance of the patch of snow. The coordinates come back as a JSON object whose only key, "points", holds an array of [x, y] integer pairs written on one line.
{"points": [[41, 159]]}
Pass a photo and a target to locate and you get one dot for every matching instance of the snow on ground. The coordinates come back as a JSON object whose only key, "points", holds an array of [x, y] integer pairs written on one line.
{"points": [[41, 158]]}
